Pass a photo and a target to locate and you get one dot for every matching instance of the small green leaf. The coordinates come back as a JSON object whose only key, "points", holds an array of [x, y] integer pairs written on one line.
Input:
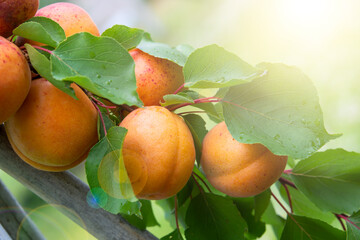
{"points": [[41, 29], [175, 235], [331, 180], [213, 217], [162, 50], [353, 228], [98, 64], [214, 67], [185, 193], [280, 110], [42, 66], [107, 176], [309, 229], [148, 218], [107, 121], [198, 130], [126, 36], [179, 98]]}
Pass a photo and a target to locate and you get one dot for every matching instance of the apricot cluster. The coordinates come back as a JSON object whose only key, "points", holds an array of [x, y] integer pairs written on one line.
{"points": [[47, 128]]}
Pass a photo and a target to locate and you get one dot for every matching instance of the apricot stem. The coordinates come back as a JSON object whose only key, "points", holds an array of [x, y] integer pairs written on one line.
{"points": [[101, 117], [289, 214], [176, 213], [346, 218], [179, 89], [203, 181]]}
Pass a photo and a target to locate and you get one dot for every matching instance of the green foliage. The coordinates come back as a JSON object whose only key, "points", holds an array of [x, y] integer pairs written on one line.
{"points": [[128, 37], [353, 230]]}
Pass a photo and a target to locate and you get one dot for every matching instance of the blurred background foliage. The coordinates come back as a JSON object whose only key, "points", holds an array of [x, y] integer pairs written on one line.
{"points": [[321, 37]]}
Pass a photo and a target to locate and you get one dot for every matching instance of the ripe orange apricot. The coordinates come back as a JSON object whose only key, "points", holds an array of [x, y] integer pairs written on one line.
{"points": [[52, 131], [238, 169], [158, 152], [72, 18], [15, 12], [15, 79], [155, 77]]}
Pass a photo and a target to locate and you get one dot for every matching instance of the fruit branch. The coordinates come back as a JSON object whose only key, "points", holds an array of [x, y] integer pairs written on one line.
{"points": [[289, 214], [14, 220], [65, 189]]}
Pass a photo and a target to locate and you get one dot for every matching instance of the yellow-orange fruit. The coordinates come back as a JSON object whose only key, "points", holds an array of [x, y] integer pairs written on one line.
{"points": [[238, 169], [155, 77], [72, 18], [15, 12], [15, 79], [52, 131], [158, 151]]}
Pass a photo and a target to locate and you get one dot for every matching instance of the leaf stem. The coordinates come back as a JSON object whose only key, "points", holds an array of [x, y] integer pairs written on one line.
{"points": [[197, 184], [176, 213], [200, 100], [202, 180], [179, 89], [189, 112], [346, 218], [101, 117], [290, 215], [287, 182], [289, 197], [288, 171], [43, 49], [341, 222]]}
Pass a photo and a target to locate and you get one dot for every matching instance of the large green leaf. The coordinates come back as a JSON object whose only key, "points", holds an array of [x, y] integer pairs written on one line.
{"points": [[42, 66], [310, 229], [107, 176], [213, 217], [353, 228], [175, 235], [41, 29], [98, 64], [126, 36], [162, 50], [280, 110], [331, 180], [214, 67]]}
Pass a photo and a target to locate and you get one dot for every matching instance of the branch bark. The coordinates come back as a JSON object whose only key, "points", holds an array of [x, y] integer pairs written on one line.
{"points": [[67, 190]]}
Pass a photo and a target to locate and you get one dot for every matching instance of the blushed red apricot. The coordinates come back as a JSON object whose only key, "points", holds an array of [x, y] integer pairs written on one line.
{"points": [[52, 131], [155, 77], [158, 152], [238, 169], [15, 79], [15, 12]]}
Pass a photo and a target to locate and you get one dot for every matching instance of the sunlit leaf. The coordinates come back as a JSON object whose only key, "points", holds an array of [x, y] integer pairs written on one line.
{"points": [[126, 36]]}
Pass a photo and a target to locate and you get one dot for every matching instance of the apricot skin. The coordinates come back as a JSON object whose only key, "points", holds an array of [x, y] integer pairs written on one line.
{"points": [[15, 12], [72, 18], [155, 77], [238, 169], [158, 151], [15, 79], [52, 131]]}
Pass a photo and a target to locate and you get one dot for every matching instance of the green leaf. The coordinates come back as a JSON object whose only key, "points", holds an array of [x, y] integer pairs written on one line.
{"points": [[198, 130], [41, 29], [261, 202], [98, 64], [107, 121], [148, 218], [185, 192], [162, 50], [214, 67], [213, 217], [353, 229], [180, 98], [331, 180], [247, 208], [126, 36], [303, 206], [185, 49], [310, 229], [276, 222], [175, 235], [280, 110], [107, 176], [42, 66]]}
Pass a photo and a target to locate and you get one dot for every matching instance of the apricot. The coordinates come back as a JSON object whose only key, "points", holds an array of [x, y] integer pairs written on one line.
{"points": [[158, 152], [15, 79], [238, 169], [15, 12], [52, 131], [72, 18], [155, 77]]}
